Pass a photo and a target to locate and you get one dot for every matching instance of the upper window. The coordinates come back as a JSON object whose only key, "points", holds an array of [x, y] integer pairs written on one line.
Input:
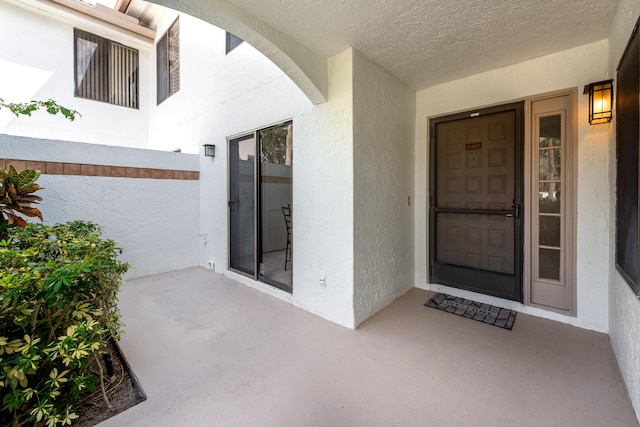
{"points": [[233, 42], [105, 70], [168, 66]]}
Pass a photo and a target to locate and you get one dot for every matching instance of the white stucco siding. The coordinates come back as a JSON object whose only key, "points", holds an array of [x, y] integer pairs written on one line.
{"points": [[322, 189], [384, 111], [571, 68], [323, 199], [304, 67], [624, 307], [155, 221], [222, 96], [37, 62]]}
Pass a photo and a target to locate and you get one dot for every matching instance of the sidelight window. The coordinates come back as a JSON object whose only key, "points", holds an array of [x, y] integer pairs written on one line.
{"points": [[552, 238], [549, 197]]}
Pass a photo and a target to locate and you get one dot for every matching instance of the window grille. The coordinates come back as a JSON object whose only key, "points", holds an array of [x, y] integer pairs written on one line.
{"points": [[106, 71]]}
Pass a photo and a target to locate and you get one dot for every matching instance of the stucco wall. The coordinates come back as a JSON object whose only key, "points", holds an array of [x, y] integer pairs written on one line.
{"points": [[155, 221], [306, 68], [383, 144], [323, 199], [571, 68], [36, 62], [220, 95], [624, 307], [209, 109]]}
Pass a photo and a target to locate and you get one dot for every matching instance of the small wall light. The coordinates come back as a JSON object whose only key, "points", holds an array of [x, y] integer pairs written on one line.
{"points": [[209, 150], [600, 101]]}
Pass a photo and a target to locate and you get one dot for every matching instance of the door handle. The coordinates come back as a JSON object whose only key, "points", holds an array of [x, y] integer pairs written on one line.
{"points": [[516, 210]]}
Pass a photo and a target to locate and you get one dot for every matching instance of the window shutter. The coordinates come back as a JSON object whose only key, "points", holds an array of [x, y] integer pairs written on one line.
{"points": [[105, 71], [162, 65], [168, 62], [124, 76], [92, 72], [174, 58]]}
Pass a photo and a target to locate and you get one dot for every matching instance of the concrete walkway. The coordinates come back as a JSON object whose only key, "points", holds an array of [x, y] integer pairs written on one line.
{"points": [[212, 352]]}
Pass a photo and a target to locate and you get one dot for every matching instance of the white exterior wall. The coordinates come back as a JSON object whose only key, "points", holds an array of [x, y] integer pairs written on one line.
{"points": [[41, 47], [624, 307], [306, 68], [154, 221], [571, 68], [222, 96], [383, 141], [323, 218]]}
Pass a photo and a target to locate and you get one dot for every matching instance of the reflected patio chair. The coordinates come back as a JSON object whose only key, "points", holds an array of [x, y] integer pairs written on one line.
{"points": [[288, 254]]}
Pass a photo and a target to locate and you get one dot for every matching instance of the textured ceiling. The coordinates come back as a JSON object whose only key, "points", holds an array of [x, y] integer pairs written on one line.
{"points": [[427, 42]]}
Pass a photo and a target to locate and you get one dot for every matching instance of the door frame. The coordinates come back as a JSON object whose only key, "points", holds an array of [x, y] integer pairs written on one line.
{"points": [[255, 207], [257, 197], [572, 186], [519, 108]]}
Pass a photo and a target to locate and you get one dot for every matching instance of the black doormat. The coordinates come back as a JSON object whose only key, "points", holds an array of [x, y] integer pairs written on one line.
{"points": [[486, 313]]}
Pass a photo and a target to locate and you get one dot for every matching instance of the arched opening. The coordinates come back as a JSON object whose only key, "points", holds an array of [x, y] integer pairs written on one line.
{"points": [[306, 69]]}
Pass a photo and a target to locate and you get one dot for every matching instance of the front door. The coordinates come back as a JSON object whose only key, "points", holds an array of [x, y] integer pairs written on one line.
{"points": [[476, 186]]}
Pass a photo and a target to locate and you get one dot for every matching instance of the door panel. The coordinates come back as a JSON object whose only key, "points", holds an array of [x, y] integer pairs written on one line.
{"points": [[242, 172], [276, 193], [476, 183]]}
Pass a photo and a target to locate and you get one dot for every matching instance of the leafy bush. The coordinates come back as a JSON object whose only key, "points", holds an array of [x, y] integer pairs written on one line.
{"points": [[51, 106], [17, 198], [58, 296]]}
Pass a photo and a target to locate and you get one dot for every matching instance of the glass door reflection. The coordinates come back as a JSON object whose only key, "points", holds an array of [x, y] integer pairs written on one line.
{"points": [[276, 213]]}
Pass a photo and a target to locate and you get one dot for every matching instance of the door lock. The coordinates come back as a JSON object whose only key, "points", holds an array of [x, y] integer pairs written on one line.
{"points": [[516, 209]]}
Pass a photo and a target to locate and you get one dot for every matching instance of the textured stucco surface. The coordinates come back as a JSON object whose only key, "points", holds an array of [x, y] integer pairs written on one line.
{"points": [[383, 181], [155, 221], [323, 199], [208, 109], [572, 68], [305, 67], [43, 45], [624, 307], [424, 43]]}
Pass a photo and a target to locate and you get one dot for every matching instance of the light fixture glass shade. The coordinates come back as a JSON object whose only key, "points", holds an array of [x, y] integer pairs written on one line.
{"points": [[600, 101], [209, 150]]}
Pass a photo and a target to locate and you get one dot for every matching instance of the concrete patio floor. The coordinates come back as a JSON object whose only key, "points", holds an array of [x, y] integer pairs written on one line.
{"points": [[212, 352]]}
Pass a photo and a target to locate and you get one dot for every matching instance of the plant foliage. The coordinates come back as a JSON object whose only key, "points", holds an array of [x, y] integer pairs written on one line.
{"points": [[17, 198], [50, 106], [58, 296]]}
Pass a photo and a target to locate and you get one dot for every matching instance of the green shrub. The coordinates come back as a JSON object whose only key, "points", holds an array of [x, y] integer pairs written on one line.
{"points": [[51, 106], [58, 296], [17, 198]]}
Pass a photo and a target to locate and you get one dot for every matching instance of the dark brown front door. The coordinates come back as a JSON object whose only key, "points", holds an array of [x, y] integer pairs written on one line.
{"points": [[475, 218]]}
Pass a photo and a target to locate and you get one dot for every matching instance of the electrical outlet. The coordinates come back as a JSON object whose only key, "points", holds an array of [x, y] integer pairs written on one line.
{"points": [[323, 280], [211, 265]]}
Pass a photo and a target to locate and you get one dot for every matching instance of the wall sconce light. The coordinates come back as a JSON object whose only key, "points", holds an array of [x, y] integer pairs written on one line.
{"points": [[209, 150], [600, 101]]}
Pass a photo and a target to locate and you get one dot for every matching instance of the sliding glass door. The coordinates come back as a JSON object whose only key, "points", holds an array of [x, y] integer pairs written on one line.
{"points": [[260, 205]]}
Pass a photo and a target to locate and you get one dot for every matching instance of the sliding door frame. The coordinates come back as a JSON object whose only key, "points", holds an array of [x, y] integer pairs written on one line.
{"points": [[257, 216]]}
